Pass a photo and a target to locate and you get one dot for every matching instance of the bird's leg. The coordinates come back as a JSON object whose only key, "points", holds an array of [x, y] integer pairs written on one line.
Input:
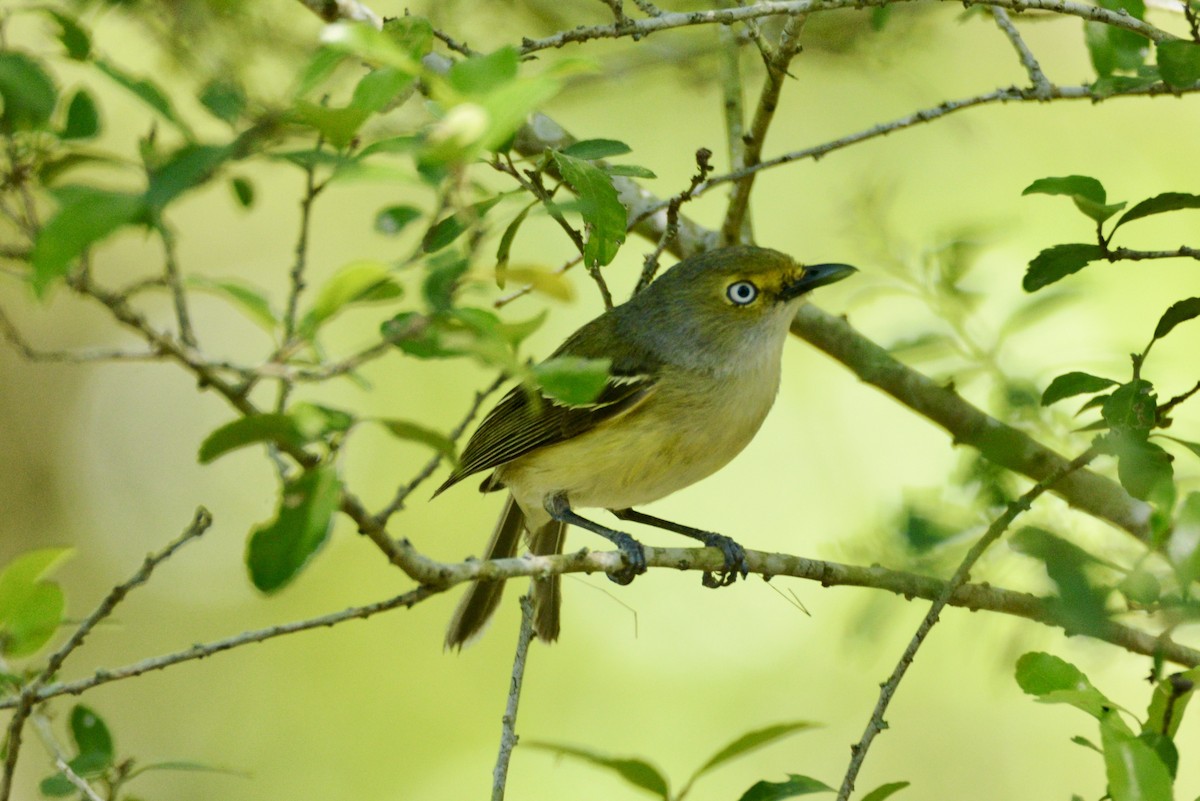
{"points": [[631, 550], [735, 555]]}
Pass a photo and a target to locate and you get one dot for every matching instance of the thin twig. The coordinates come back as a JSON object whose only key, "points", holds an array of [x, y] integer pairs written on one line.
{"points": [[174, 281], [405, 490], [648, 8], [458, 47], [508, 729], [876, 724], [776, 61], [735, 119], [28, 695], [650, 263], [203, 651], [618, 10], [1128, 254], [42, 726], [1041, 83], [27, 351]]}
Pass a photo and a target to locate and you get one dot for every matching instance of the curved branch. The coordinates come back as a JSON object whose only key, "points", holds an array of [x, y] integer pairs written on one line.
{"points": [[725, 16]]}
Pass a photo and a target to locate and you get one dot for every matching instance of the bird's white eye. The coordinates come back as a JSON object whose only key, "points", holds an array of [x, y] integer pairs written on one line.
{"points": [[741, 292]]}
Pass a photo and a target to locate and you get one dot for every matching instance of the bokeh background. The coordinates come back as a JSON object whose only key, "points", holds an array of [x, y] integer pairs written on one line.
{"points": [[102, 457]]}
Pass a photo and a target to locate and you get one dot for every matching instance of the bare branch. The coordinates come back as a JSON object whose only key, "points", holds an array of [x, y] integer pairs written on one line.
{"points": [[508, 731], [876, 724], [1041, 84], [174, 281], [31, 353], [726, 16]]}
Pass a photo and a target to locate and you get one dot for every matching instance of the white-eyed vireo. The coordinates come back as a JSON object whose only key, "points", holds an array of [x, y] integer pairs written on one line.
{"points": [[695, 369]]}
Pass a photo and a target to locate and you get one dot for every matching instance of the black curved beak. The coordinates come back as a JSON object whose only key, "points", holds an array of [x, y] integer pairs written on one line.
{"points": [[816, 275]]}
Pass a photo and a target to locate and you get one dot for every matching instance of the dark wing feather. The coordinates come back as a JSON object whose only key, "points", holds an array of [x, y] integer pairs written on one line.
{"points": [[523, 420]]}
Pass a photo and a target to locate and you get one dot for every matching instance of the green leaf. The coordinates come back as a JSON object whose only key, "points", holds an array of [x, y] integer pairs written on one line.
{"points": [[1081, 186], [1111, 48], [185, 169], [92, 738], [1169, 701], [1134, 770], [243, 191], [83, 119], [88, 216], [442, 280], [482, 75], [1075, 383], [1131, 407], [450, 228], [356, 283], [31, 609], [338, 125], [1162, 746], [1054, 680], [635, 771], [278, 550], [294, 429], [1167, 201], [28, 92], [413, 33], [572, 380], [252, 300], [57, 786], [1143, 467], [1057, 262], [393, 219], [553, 284], [628, 171], [379, 88], [794, 786], [224, 99], [146, 91], [371, 45], [1179, 63], [751, 741], [602, 210], [75, 40], [504, 249], [1179, 312], [592, 149], [322, 64], [884, 791], [412, 432]]}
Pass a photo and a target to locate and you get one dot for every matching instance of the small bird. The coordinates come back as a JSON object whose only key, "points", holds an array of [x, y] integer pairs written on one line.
{"points": [[695, 362]]}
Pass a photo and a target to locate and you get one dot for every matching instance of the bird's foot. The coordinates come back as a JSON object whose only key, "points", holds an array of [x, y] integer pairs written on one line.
{"points": [[634, 556], [735, 561]]}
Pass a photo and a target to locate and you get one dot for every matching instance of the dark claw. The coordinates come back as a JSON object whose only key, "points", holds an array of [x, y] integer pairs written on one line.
{"points": [[635, 560], [735, 561]]}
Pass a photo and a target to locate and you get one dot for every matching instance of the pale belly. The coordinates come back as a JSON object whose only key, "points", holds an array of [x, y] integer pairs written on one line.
{"points": [[669, 442]]}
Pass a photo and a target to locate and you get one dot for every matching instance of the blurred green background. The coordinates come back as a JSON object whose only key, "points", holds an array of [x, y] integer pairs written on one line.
{"points": [[102, 457]]}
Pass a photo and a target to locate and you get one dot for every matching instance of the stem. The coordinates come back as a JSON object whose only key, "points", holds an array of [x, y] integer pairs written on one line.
{"points": [[508, 731]]}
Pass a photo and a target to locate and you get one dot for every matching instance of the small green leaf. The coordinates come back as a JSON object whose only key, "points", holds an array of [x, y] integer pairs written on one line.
{"points": [[1167, 201], [83, 119], [1086, 743], [450, 228], [31, 608], [243, 191], [628, 171], [57, 786], [1179, 63], [1113, 48], [289, 430], [28, 92], [224, 99], [1076, 383], [1054, 680], [1057, 262], [379, 88], [884, 791], [504, 249], [412, 432], [278, 550], [442, 280], [1071, 185], [322, 65], [1143, 467], [572, 380], [751, 741], [552, 284], [185, 169], [1169, 701], [482, 75], [146, 91], [251, 299], [413, 33], [1098, 211], [88, 216], [1135, 771], [356, 283], [75, 40], [635, 771], [1131, 407], [394, 219], [592, 149], [1179, 312], [602, 210], [794, 786], [92, 737]]}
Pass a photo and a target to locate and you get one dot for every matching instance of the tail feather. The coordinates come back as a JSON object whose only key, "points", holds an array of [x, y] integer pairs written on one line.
{"points": [[483, 597], [547, 592]]}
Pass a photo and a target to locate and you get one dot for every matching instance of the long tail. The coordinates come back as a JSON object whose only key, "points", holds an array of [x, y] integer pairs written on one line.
{"points": [[483, 597]]}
